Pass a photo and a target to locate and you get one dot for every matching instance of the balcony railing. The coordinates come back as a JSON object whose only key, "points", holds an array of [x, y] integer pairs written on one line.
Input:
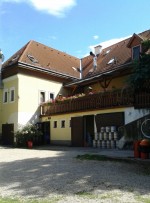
{"points": [[142, 100], [118, 98]]}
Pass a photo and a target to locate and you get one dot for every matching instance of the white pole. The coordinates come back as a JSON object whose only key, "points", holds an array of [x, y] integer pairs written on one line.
{"points": [[95, 129], [80, 68], [1, 60]]}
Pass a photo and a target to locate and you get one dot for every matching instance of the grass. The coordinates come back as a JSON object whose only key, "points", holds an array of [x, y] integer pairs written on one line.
{"points": [[143, 199], [100, 158], [143, 167], [19, 200], [86, 194]]}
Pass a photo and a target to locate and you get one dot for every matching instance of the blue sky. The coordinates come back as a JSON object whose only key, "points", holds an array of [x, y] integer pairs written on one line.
{"points": [[72, 26]]}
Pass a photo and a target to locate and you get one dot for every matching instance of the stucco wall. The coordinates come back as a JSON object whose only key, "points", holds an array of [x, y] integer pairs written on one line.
{"points": [[116, 83], [25, 108], [28, 96], [61, 134], [0, 112], [9, 109]]}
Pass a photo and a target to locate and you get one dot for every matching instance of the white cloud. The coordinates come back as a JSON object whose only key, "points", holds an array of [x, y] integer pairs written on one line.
{"points": [[54, 7], [108, 43], [96, 37], [105, 44]]}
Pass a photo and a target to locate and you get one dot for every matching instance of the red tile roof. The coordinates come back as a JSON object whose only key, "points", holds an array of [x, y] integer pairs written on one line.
{"points": [[41, 56], [112, 57], [49, 59]]}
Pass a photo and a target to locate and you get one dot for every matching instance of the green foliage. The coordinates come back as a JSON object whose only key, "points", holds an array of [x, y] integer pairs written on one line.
{"points": [[141, 70], [27, 133]]}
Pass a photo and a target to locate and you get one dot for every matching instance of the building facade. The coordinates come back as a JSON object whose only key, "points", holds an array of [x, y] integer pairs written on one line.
{"points": [[33, 78]]}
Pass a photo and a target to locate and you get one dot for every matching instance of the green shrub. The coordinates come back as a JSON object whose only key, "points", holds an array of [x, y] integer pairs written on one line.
{"points": [[28, 133]]}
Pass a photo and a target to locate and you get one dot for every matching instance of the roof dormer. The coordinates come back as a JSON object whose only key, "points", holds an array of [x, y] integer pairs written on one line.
{"points": [[135, 45]]}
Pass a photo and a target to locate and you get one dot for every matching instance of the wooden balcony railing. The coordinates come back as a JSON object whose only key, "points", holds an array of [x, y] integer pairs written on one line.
{"points": [[104, 100], [142, 100]]}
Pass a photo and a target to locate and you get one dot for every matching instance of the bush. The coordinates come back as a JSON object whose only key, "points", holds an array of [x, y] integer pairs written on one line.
{"points": [[28, 133]]}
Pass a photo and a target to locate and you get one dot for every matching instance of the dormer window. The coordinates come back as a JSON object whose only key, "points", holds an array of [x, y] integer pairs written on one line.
{"points": [[136, 52]]}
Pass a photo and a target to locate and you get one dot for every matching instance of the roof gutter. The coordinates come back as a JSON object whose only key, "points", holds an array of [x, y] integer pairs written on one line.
{"points": [[97, 76], [51, 72]]}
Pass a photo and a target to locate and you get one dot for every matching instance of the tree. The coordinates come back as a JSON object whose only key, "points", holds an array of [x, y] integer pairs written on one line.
{"points": [[141, 68]]}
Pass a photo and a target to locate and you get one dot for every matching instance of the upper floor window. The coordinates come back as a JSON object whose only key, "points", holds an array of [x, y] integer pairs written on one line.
{"points": [[136, 52], [5, 96], [42, 97], [51, 96], [12, 94]]}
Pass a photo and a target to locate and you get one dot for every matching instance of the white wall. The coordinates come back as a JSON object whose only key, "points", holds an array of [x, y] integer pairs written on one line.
{"points": [[132, 114], [28, 96]]}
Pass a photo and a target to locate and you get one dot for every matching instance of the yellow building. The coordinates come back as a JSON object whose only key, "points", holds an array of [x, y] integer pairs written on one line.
{"points": [[33, 78]]}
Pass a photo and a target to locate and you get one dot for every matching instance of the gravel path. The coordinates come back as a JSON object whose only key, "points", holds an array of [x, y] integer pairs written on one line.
{"points": [[57, 175]]}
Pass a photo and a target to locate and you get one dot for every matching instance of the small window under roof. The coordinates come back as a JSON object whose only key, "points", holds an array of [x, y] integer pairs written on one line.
{"points": [[15, 57], [107, 51], [32, 58], [111, 61]]}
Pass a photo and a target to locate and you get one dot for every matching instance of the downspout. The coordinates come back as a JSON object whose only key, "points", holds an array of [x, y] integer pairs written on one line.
{"points": [[80, 68], [1, 87], [1, 60]]}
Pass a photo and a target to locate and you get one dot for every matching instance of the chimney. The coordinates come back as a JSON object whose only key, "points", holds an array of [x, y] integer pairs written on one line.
{"points": [[94, 60], [97, 49]]}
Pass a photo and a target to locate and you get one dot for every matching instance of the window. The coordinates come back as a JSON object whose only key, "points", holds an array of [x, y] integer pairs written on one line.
{"points": [[32, 58], [12, 94], [51, 96], [42, 96], [110, 61], [5, 96], [136, 52], [63, 124], [55, 124]]}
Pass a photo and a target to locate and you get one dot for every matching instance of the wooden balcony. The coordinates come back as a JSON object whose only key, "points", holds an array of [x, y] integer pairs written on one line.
{"points": [[114, 99]]}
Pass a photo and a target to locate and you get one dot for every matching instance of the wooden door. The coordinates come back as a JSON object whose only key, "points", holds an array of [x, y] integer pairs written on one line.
{"points": [[77, 132], [7, 134]]}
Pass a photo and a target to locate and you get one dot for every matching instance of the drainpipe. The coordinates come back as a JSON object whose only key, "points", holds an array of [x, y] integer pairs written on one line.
{"points": [[80, 68], [1, 60]]}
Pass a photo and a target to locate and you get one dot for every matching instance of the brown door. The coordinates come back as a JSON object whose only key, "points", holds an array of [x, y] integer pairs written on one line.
{"points": [[7, 134], [77, 132], [46, 132]]}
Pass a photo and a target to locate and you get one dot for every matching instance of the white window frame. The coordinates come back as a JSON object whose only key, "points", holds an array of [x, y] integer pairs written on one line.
{"points": [[56, 124], [10, 95], [42, 91], [49, 96], [5, 92], [69, 123], [61, 122]]}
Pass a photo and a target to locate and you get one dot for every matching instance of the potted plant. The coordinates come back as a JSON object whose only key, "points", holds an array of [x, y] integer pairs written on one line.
{"points": [[27, 135]]}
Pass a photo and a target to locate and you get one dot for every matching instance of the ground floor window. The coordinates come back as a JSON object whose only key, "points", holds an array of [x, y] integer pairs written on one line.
{"points": [[55, 124], [63, 124]]}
